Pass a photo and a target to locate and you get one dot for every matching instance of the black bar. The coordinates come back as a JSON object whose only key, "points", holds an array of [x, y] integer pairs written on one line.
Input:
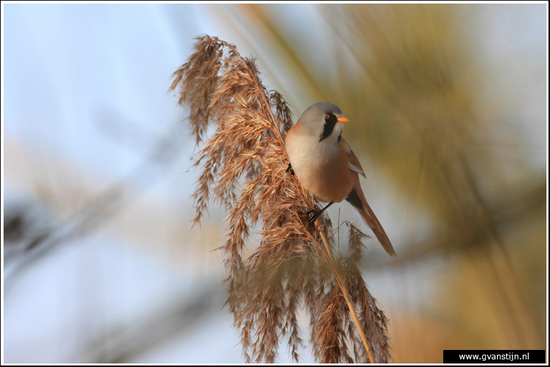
{"points": [[494, 356]]}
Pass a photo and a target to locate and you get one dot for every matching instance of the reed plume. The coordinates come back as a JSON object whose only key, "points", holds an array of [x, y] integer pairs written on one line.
{"points": [[243, 167]]}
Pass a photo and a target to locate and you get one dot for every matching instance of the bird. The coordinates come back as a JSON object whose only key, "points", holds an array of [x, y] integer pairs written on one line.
{"points": [[326, 166]]}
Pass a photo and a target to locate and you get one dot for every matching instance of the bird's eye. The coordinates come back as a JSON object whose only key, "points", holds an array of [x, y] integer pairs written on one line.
{"points": [[327, 116]]}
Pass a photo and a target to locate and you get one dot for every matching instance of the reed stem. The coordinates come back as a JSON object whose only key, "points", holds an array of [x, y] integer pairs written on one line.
{"points": [[346, 297]]}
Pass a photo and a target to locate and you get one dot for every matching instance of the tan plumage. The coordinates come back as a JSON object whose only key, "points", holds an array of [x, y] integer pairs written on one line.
{"points": [[325, 164]]}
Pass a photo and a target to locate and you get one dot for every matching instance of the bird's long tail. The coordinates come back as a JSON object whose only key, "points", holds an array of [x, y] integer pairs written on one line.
{"points": [[358, 200], [374, 224]]}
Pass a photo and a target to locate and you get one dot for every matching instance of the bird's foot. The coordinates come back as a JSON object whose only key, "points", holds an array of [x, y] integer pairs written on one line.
{"points": [[313, 214], [317, 213], [289, 169]]}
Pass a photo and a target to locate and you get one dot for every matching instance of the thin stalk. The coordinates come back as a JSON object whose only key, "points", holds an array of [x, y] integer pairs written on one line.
{"points": [[346, 297]]}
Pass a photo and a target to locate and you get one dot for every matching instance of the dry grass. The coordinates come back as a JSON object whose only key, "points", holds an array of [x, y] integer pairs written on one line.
{"points": [[243, 167]]}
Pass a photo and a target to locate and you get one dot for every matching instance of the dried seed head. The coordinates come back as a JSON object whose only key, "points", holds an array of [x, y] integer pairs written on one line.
{"points": [[243, 167]]}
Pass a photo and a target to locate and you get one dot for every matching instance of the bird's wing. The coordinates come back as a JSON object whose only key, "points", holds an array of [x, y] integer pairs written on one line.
{"points": [[353, 161]]}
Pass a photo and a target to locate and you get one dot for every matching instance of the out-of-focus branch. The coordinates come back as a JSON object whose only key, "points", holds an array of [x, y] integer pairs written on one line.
{"points": [[97, 212], [127, 343]]}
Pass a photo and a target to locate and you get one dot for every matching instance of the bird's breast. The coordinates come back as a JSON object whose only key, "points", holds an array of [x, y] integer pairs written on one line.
{"points": [[321, 168]]}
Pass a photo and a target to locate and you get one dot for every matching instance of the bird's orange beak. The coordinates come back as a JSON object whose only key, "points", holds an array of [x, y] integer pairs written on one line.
{"points": [[342, 119]]}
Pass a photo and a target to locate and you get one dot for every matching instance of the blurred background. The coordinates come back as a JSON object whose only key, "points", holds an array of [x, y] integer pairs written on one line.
{"points": [[448, 111]]}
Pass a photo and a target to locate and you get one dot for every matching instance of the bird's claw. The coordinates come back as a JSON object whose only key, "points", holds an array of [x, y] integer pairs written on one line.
{"points": [[315, 215], [289, 169]]}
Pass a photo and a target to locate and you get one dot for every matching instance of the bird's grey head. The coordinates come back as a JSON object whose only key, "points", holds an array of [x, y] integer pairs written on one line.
{"points": [[321, 118]]}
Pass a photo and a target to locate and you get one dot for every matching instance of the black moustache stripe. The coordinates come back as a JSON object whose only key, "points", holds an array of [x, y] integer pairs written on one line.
{"points": [[329, 127]]}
